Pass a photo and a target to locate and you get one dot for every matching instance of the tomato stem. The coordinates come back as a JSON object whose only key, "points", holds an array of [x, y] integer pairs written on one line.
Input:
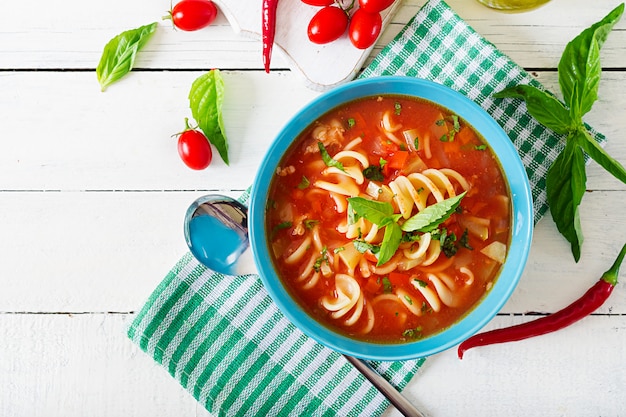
{"points": [[345, 9]]}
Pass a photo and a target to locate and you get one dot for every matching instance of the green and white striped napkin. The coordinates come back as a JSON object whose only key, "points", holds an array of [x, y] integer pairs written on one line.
{"points": [[223, 338], [227, 343], [438, 45]]}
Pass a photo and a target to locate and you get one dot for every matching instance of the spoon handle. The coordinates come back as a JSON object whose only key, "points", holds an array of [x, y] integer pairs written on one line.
{"points": [[398, 400]]}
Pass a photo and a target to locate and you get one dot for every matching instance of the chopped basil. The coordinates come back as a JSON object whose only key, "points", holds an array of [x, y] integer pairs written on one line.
{"points": [[310, 223], [480, 147], [328, 160], [413, 333], [351, 122], [304, 183], [464, 240], [362, 246], [421, 283], [323, 258], [280, 226], [373, 173], [447, 242], [456, 127], [387, 287]]}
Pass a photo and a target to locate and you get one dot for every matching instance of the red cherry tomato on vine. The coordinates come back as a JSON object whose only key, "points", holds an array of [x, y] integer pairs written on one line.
{"points": [[327, 25], [192, 15], [318, 2], [364, 28], [194, 149], [375, 6]]}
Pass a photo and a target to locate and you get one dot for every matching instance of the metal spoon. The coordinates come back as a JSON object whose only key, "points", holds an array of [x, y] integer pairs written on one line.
{"points": [[216, 231]]}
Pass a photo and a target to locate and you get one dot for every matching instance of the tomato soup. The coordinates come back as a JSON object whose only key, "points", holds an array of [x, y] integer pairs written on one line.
{"points": [[389, 218]]}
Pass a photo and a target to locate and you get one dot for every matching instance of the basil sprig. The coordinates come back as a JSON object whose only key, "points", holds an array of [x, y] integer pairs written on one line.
{"points": [[579, 73], [119, 54], [382, 214], [206, 98]]}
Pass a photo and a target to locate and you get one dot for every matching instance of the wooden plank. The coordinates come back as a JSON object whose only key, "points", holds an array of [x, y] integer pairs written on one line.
{"points": [[568, 373], [81, 365], [100, 141], [78, 365], [47, 43]]}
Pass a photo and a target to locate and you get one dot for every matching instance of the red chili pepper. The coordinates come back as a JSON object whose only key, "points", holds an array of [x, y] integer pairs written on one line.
{"points": [[585, 305], [269, 29]]}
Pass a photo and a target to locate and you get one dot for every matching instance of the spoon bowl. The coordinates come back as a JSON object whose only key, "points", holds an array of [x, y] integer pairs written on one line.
{"points": [[216, 232]]}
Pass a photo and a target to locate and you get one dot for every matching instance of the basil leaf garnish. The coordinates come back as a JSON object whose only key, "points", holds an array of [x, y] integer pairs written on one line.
{"points": [[206, 98], [391, 242], [432, 216], [377, 212], [120, 52]]}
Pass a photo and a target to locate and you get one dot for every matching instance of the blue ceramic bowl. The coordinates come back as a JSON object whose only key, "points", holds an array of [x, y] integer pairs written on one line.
{"points": [[522, 226]]}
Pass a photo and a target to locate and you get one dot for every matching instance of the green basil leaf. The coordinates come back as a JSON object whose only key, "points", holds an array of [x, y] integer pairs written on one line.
{"points": [[580, 62], [432, 216], [543, 106], [362, 246], [206, 98], [598, 154], [391, 242], [328, 160], [119, 54], [377, 212], [565, 186]]}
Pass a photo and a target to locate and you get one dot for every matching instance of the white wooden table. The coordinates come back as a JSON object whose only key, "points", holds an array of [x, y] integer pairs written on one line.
{"points": [[92, 196]]}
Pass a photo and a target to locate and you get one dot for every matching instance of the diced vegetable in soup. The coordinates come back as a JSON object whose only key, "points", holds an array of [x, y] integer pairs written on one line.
{"points": [[389, 218]]}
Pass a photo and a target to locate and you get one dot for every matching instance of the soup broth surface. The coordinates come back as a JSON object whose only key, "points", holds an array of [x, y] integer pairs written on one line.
{"points": [[411, 157]]}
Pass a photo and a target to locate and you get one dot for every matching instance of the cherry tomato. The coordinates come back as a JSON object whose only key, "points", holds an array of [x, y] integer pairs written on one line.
{"points": [[318, 2], [364, 28], [375, 6], [192, 15], [327, 25], [194, 149]]}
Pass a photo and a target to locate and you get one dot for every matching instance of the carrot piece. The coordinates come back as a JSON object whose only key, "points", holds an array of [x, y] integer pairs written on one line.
{"points": [[398, 159], [373, 284], [370, 256], [399, 278]]}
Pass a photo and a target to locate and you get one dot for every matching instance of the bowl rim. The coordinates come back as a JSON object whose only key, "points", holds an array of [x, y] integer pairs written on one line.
{"points": [[522, 217]]}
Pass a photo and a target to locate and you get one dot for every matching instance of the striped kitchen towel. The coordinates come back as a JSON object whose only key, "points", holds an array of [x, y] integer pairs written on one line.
{"points": [[227, 343], [439, 46]]}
